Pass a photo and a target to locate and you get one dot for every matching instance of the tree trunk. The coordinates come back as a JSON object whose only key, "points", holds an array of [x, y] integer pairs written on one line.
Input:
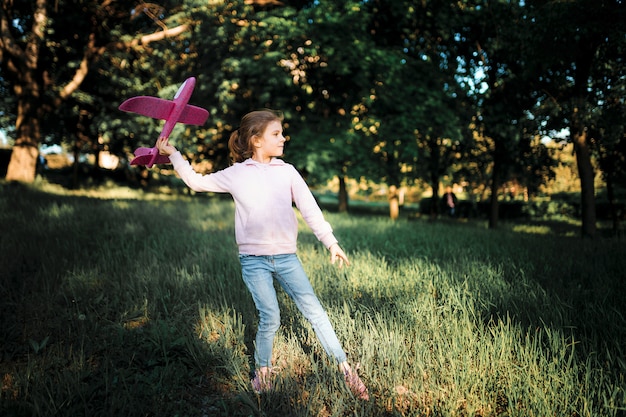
{"points": [[22, 63], [393, 196], [343, 195], [586, 174], [495, 185], [75, 167], [610, 193], [23, 164], [578, 132], [434, 201]]}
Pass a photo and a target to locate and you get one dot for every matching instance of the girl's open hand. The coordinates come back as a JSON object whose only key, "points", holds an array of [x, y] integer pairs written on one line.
{"points": [[336, 253]]}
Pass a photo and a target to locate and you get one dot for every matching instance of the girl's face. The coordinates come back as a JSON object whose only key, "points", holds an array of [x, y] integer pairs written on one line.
{"points": [[270, 144]]}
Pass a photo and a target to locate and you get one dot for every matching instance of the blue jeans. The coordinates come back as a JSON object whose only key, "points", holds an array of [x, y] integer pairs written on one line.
{"points": [[258, 273]]}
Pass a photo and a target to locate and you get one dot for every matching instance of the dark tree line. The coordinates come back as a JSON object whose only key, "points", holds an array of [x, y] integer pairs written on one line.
{"points": [[393, 91]]}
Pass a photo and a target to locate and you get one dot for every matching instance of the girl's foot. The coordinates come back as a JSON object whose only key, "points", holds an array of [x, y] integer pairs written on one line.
{"points": [[355, 384], [261, 382]]}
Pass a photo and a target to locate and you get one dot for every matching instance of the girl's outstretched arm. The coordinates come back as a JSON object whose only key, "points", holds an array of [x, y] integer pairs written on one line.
{"points": [[337, 253]]}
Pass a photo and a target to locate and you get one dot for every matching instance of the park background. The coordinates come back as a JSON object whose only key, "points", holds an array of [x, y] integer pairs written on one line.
{"points": [[512, 308], [399, 94]]}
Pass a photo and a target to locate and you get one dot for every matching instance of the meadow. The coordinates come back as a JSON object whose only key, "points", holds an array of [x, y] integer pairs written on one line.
{"points": [[126, 303]]}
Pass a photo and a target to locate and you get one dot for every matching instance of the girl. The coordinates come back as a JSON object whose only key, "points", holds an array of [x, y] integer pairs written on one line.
{"points": [[264, 189]]}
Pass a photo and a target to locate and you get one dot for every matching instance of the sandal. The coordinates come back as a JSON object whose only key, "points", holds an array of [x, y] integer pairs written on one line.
{"points": [[355, 384]]}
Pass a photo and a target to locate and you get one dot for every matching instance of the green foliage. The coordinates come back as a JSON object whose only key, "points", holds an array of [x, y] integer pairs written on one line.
{"points": [[386, 90], [133, 305], [415, 120]]}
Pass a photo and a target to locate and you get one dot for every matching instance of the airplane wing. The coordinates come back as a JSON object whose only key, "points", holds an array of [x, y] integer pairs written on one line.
{"points": [[159, 108], [154, 107], [193, 115]]}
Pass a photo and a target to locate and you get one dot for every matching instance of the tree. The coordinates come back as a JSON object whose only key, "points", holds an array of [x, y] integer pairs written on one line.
{"points": [[307, 59], [413, 128], [389, 127], [419, 112], [581, 41], [493, 47], [238, 48], [609, 133], [47, 50], [330, 64]]}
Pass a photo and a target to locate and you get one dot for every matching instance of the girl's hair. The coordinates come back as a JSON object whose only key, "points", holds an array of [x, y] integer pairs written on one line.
{"points": [[252, 124]]}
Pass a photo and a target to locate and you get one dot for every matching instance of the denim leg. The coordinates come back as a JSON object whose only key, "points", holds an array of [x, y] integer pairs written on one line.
{"points": [[293, 279], [258, 275]]}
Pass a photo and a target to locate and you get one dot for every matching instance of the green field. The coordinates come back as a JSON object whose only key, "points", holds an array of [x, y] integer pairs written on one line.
{"points": [[125, 303]]}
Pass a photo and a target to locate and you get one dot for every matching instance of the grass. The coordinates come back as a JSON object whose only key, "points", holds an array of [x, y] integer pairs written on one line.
{"points": [[129, 303]]}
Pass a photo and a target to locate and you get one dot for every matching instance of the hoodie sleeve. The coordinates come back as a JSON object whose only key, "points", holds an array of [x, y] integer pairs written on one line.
{"points": [[217, 182], [311, 212]]}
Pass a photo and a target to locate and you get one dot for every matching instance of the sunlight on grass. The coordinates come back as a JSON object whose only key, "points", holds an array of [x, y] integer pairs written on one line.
{"points": [[57, 211], [563, 227], [539, 230], [545, 230]]}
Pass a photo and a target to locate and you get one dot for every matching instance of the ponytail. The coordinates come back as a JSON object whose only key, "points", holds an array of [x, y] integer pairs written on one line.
{"points": [[239, 151], [252, 124]]}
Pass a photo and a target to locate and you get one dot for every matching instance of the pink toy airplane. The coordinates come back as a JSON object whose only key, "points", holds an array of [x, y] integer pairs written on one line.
{"points": [[172, 112]]}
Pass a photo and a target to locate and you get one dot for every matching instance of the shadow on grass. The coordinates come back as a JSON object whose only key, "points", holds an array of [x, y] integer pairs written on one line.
{"points": [[98, 305]]}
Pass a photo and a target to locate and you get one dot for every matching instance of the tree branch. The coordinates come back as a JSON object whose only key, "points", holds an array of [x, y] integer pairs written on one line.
{"points": [[157, 36], [39, 23], [7, 42], [91, 53]]}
